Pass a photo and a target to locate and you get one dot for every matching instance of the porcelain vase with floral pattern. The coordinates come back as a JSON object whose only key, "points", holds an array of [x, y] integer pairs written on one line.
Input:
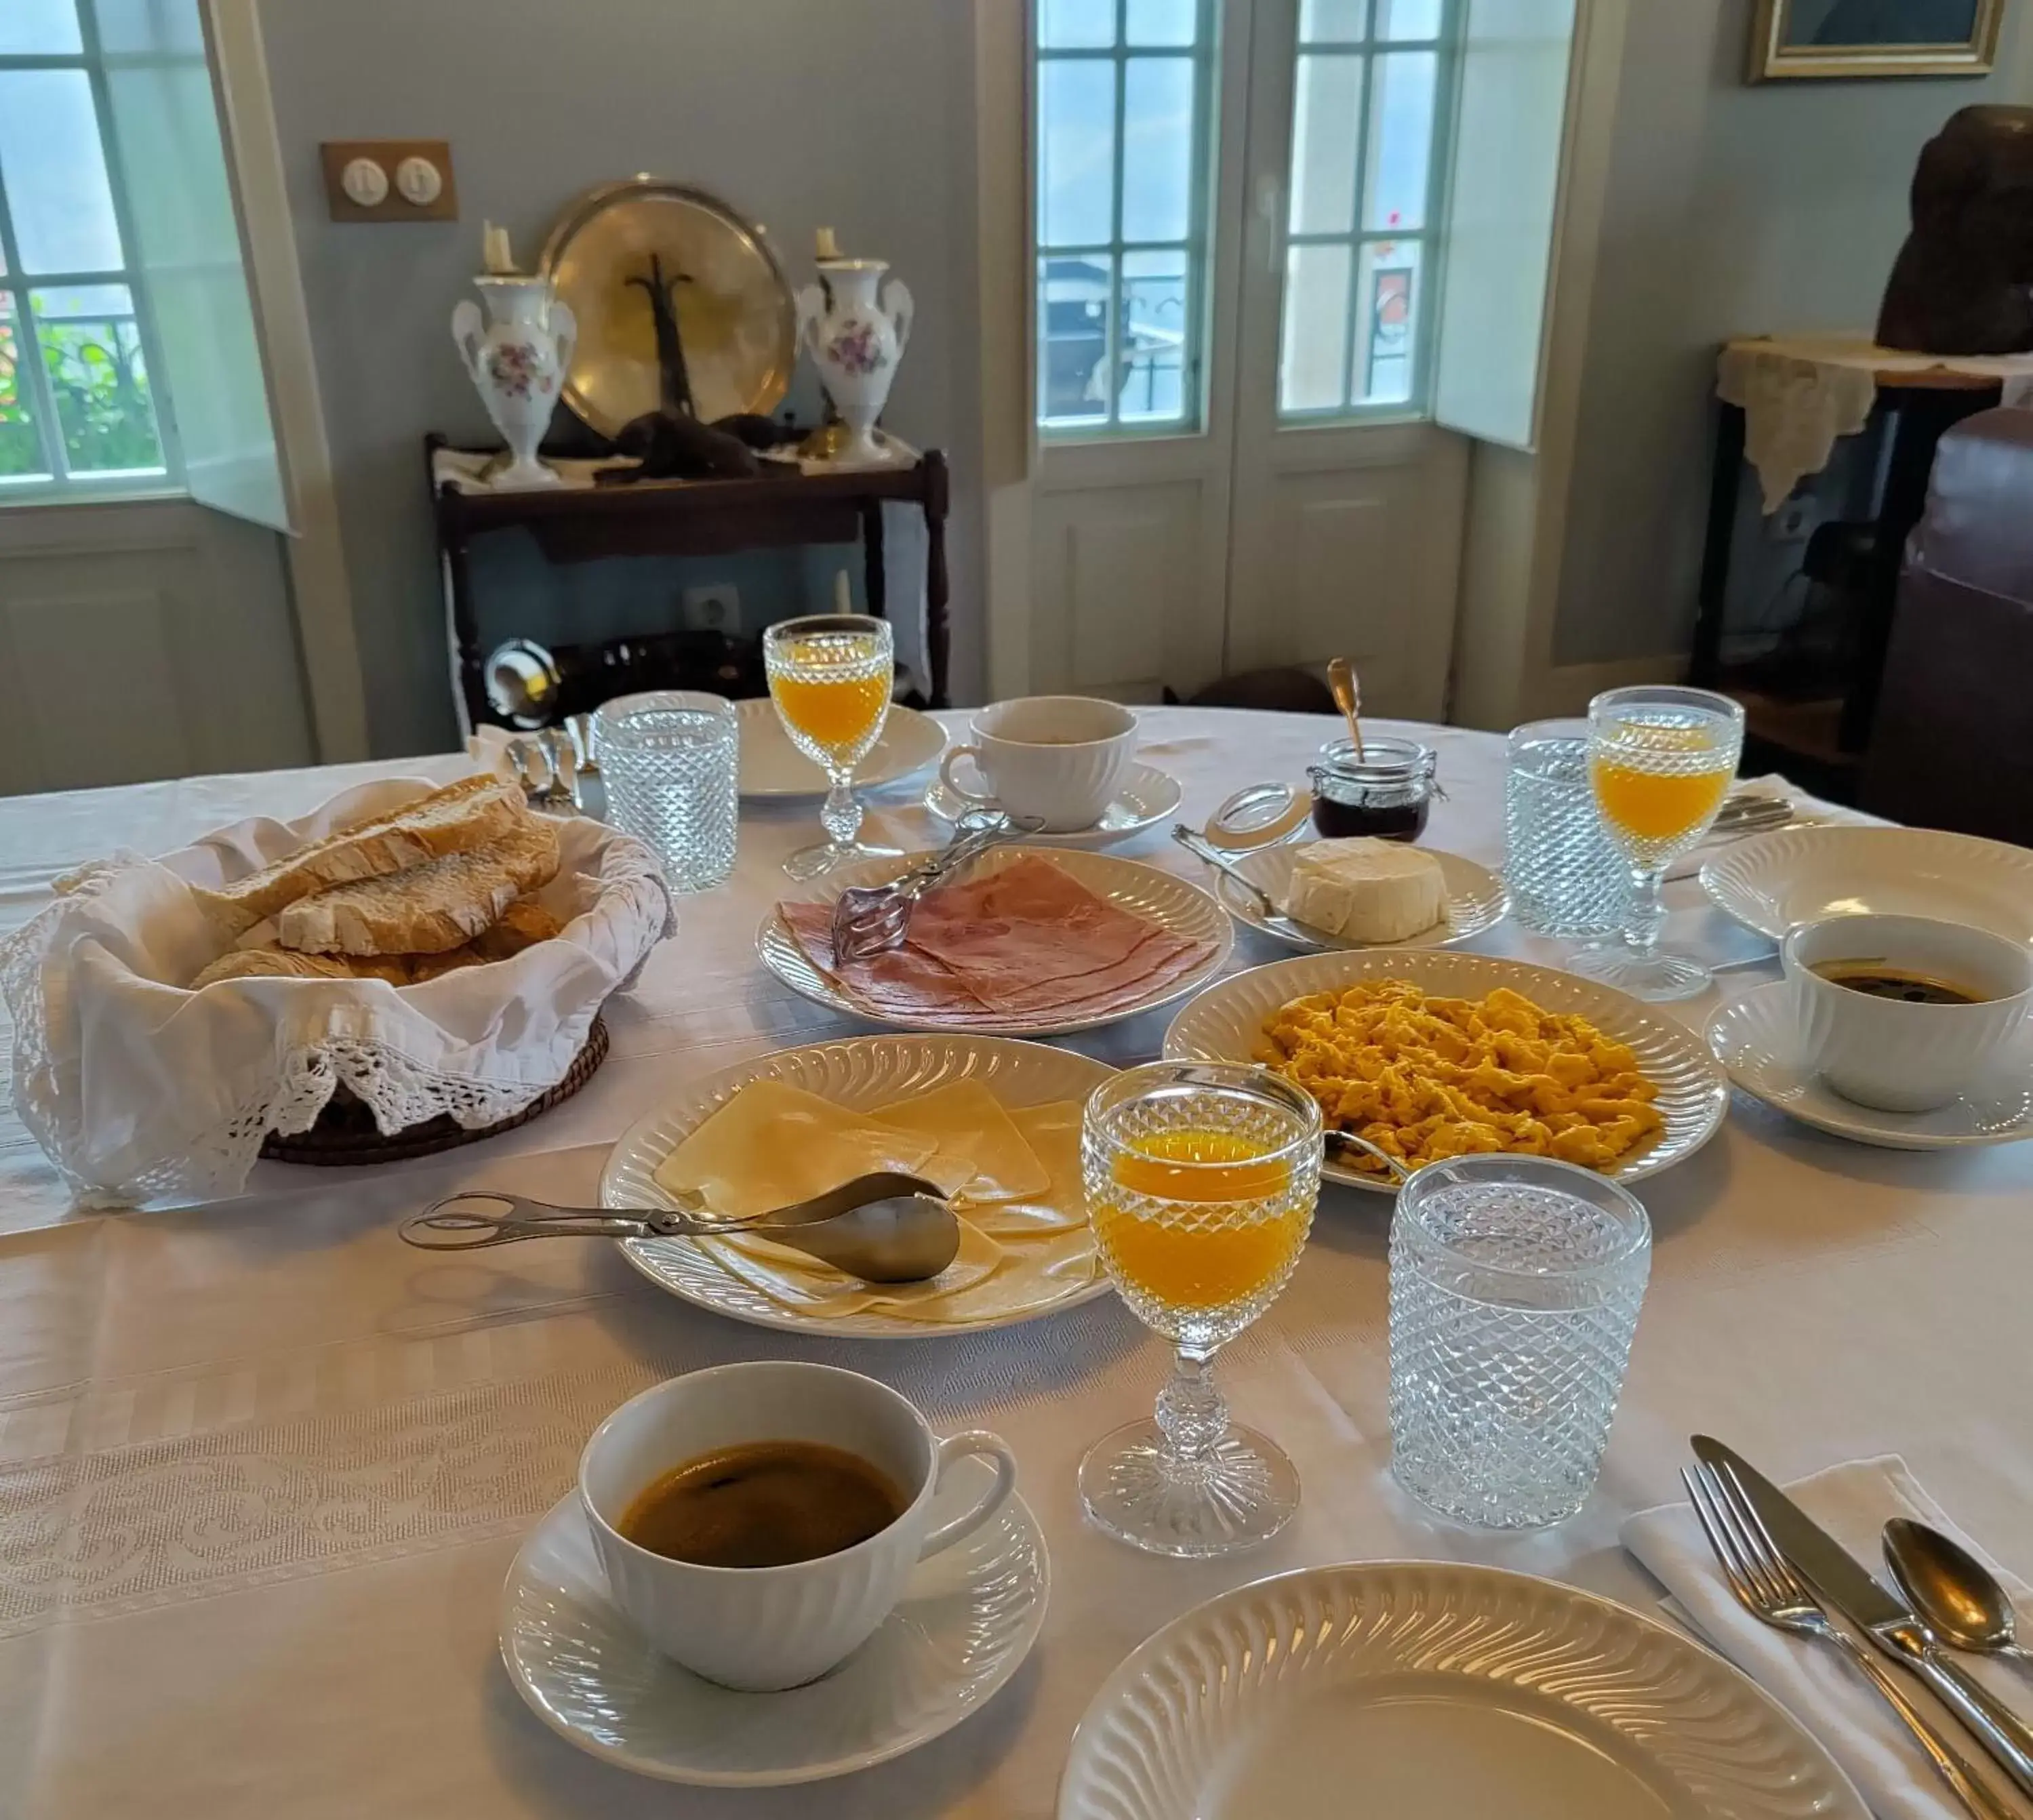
{"points": [[855, 341], [518, 360]]}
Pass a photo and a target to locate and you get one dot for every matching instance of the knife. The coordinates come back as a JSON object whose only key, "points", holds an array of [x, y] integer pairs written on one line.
{"points": [[1893, 1625]]}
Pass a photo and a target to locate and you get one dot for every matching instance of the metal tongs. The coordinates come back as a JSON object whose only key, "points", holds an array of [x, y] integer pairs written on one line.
{"points": [[871, 919], [885, 1227]]}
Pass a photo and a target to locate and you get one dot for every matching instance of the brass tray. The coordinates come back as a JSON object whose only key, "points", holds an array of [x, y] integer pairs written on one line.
{"points": [[736, 315]]}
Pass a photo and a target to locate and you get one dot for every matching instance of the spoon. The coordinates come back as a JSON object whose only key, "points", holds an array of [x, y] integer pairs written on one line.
{"points": [[1953, 1590], [1345, 1147], [1348, 698], [882, 1228]]}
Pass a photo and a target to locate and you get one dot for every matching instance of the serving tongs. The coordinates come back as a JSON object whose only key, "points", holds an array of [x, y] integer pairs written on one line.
{"points": [[871, 919], [885, 1227]]}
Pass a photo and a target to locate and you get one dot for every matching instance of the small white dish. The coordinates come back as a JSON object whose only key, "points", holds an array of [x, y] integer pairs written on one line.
{"points": [[1143, 799], [967, 1620], [1759, 1042], [771, 767], [1477, 900]]}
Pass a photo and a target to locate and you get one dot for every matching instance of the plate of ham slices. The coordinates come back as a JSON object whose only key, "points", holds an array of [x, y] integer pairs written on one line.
{"points": [[1026, 942]]}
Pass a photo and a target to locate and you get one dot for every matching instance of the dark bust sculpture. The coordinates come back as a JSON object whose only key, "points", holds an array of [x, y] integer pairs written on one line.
{"points": [[1964, 281]]}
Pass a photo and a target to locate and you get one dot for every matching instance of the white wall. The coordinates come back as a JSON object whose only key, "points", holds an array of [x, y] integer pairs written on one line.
{"points": [[855, 113]]}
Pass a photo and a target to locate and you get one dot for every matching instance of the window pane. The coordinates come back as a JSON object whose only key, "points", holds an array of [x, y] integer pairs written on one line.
{"points": [[1314, 355], [21, 448], [1402, 146], [55, 172], [1155, 325], [162, 26], [1075, 25], [38, 28], [1338, 21], [1163, 21], [1157, 148], [1077, 152], [1072, 318], [1387, 322], [1406, 19], [1326, 118], [103, 404]]}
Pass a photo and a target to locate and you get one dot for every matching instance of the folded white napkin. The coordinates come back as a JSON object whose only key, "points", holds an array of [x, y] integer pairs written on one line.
{"points": [[1813, 1680]]}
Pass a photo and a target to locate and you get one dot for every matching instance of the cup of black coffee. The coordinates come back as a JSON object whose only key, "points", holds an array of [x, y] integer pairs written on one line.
{"points": [[759, 1521]]}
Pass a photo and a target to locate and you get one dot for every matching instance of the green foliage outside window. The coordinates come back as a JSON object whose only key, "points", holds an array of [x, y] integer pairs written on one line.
{"points": [[104, 406]]}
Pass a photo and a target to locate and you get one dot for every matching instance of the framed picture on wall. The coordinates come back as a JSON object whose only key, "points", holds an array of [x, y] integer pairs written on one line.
{"points": [[1852, 38]]}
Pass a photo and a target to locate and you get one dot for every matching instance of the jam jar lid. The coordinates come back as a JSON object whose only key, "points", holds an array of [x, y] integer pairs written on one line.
{"points": [[1385, 763]]}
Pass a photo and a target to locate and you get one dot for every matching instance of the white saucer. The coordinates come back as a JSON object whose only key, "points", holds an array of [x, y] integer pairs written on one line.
{"points": [[1756, 1043], [965, 1623], [1147, 797]]}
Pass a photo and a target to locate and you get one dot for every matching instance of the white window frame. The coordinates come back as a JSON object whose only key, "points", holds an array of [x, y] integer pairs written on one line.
{"points": [[61, 482]]}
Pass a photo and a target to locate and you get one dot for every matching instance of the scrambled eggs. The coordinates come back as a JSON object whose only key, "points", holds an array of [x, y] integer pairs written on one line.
{"points": [[1425, 1078]]}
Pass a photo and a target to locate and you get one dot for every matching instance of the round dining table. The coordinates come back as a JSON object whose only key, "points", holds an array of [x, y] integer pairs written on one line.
{"points": [[262, 1467]]}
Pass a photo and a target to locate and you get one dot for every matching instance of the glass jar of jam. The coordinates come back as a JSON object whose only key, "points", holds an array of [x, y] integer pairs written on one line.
{"points": [[1387, 793]]}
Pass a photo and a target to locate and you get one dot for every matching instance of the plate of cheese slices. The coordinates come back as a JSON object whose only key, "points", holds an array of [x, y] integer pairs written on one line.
{"points": [[993, 1123], [1364, 893]]}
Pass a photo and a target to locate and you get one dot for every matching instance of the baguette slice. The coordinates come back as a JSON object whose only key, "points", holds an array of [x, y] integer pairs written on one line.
{"points": [[473, 813], [428, 908], [278, 964]]}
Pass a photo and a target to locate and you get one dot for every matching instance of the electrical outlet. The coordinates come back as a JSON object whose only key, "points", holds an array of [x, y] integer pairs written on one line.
{"points": [[1794, 522], [713, 609]]}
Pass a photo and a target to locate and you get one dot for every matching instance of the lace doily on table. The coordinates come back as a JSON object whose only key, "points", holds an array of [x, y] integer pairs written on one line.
{"points": [[183, 1088]]}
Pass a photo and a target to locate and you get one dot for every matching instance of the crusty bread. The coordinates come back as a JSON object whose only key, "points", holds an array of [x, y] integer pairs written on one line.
{"points": [[428, 908], [523, 924], [473, 813], [279, 964]]}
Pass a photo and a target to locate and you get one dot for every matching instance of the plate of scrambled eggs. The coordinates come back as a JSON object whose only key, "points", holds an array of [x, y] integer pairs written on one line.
{"points": [[1430, 1054]]}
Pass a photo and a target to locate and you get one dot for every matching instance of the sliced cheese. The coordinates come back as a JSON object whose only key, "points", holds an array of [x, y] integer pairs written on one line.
{"points": [[967, 1123], [1053, 1134], [1365, 889], [1033, 1275], [772, 1143], [804, 1284]]}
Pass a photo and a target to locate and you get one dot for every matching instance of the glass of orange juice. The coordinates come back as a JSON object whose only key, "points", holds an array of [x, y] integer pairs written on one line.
{"points": [[1200, 1179], [830, 676], [1660, 759]]}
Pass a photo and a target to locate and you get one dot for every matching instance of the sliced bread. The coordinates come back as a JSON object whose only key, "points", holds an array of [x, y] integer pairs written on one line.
{"points": [[473, 813], [278, 964], [428, 908]]}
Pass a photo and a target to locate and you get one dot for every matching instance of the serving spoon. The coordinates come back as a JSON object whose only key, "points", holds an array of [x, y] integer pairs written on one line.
{"points": [[1348, 697], [885, 1227], [1953, 1590]]}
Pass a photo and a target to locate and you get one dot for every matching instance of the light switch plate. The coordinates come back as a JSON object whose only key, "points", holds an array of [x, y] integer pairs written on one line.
{"points": [[389, 154]]}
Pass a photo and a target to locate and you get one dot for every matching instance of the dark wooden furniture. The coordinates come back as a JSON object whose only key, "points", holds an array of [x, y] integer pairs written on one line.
{"points": [[780, 507]]}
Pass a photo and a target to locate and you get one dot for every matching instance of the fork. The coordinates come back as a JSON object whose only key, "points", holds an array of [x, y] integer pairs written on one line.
{"points": [[1767, 1587]]}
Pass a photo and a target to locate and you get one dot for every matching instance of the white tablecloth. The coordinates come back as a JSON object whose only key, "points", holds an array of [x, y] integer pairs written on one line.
{"points": [[262, 1468]]}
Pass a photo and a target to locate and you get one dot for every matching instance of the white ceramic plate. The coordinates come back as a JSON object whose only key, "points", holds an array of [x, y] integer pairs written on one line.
{"points": [[1183, 908], [1429, 1691], [1771, 882], [1758, 1041], [967, 1620], [772, 766], [1226, 1021], [1147, 797], [862, 1072], [1477, 899]]}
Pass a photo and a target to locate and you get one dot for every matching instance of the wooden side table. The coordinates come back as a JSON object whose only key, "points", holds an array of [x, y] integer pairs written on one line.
{"points": [[580, 521]]}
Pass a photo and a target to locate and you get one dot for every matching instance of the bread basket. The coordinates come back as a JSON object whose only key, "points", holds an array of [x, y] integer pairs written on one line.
{"points": [[142, 1091]]}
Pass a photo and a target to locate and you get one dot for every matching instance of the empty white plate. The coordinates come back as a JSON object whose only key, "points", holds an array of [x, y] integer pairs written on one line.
{"points": [[772, 766], [1147, 797], [1757, 1041], [967, 1620], [1429, 1690]]}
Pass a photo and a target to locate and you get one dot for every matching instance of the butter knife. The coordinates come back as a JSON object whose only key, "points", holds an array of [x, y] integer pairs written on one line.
{"points": [[1892, 1625]]}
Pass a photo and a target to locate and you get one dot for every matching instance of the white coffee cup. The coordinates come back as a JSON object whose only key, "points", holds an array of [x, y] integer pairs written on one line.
{"points": [[1061, 757], [763, 1628], [1892, 1054]]}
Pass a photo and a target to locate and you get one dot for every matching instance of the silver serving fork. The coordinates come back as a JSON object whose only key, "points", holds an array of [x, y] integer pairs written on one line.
{"points": [[870, 919]]}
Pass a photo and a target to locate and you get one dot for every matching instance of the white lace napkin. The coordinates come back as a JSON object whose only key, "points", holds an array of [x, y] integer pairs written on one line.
{"points": [[1813, 1680]]}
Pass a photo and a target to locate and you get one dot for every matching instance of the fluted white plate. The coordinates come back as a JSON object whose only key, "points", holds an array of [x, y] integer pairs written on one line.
{"points": [[1430, 1690], [861, 1072], [1771, 882], [1758, 1040], [1477, 899], [967, 1620], [770, 765], [1182, 909], [1147, 797], [1226, 1023]]}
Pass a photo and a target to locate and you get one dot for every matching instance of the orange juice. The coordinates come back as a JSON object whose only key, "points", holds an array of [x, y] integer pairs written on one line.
{"points": [[835, 713], [1655, 805], [1187, 1256]]}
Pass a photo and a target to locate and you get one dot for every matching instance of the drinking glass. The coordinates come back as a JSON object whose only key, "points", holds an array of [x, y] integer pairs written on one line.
{"points": [[1515, 1283], [830, 675], [1660, 759], [1200, 1179], [1567, 878], [670, 763]]}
